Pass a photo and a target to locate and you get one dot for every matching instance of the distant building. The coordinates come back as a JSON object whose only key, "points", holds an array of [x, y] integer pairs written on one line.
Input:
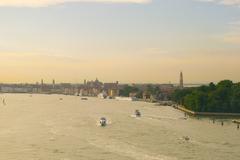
{"points": [[146, 96], [91, 88], [53, 84], [111, 89], [41, 82], [16, 89], [181, 81]]}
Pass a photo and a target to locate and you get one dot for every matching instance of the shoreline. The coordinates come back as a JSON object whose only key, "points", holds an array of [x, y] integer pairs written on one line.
{"points": [[181, 108]]}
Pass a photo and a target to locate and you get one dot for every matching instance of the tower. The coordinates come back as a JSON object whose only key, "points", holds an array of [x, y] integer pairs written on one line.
{"points": [[53, 83], [181, 81], [42, 83]]}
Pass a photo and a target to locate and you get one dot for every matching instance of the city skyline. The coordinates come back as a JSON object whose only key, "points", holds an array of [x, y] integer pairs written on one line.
{"points": [[132, 41]]}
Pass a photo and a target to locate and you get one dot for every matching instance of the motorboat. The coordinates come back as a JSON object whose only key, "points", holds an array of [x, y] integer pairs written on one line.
{"points": [[137, 113], [103, 121], [236, 121], [186, 138], [84, 98]]}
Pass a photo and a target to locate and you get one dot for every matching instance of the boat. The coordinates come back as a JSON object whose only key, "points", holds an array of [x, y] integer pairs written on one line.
{"points": [[84, 98], [236, 121], [103, 121], [137, 113], [186, 138]]}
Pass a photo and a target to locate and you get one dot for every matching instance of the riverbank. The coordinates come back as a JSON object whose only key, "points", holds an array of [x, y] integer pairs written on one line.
{"points": [[206, 113]]}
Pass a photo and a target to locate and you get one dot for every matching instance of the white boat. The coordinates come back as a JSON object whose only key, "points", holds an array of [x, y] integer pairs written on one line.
{"points": [[103, 121]]}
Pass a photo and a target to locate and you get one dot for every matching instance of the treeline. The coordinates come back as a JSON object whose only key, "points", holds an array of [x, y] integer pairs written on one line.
{"points": [[127, 90], [222, 97]]}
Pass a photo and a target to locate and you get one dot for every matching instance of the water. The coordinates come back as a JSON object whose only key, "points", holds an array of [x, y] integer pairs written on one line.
{"points": [[43, 127]]}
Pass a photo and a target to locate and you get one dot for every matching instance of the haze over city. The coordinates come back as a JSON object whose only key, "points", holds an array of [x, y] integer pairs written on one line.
{"points": [[132, 41]]}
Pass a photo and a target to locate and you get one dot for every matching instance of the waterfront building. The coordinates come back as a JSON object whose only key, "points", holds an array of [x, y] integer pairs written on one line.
{"points": [[111, 89], [91, 88]]}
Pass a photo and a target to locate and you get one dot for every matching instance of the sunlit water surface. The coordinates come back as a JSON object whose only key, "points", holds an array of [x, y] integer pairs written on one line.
{"points": [[43, 127]]}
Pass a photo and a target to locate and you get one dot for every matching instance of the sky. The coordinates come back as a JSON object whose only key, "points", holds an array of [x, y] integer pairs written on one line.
{"points": [[130, 41]]}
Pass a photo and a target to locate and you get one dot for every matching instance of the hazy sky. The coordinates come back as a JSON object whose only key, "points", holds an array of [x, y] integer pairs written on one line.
{"points": [[124, 40]]}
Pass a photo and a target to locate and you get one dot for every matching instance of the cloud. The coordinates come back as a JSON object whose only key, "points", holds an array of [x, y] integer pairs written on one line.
{"points": [[43, 3], [224, 2]]}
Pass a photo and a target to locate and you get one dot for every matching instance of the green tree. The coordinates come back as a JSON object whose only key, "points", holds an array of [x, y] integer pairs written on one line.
{"points": [[235, 99], [127, 90], [179, 94], [223, 97], [197, 101]]}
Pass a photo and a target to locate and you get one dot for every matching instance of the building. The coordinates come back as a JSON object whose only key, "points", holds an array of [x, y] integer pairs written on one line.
{"points": [[111, 89], [181, 86], [53, 84], [91, 88]]}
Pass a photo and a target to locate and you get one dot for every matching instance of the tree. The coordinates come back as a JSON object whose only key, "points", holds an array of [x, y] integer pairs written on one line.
{"points": [[179, 94], [197, 101], [127, 90], [223, 97], [235, 99]]}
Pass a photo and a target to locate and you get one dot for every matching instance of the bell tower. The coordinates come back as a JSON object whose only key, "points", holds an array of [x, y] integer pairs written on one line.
{"points": [[181, 80]]}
